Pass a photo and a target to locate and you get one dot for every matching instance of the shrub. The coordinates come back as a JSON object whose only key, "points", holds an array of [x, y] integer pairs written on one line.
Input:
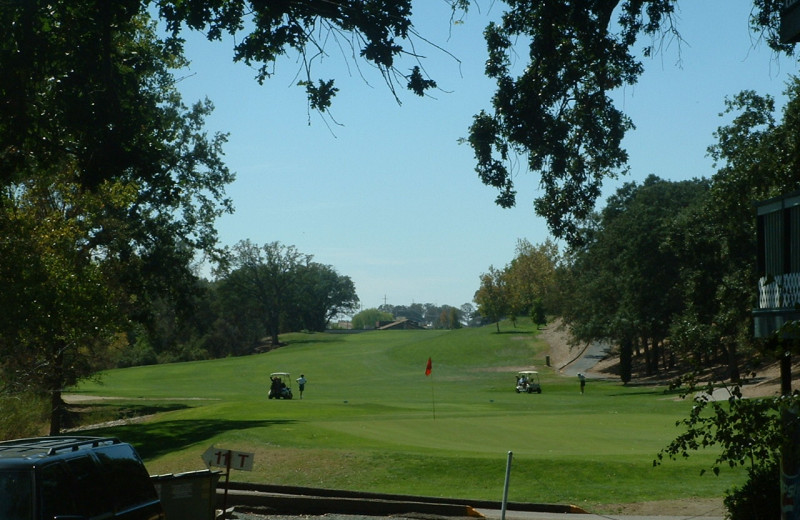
{"points": [[23, 415], [759, 497]]}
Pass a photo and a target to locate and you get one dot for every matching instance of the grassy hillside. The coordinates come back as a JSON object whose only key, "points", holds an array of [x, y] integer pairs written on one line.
{"points": [[371, 420]]}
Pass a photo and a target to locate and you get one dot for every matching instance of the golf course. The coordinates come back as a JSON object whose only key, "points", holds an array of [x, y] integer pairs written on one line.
{"points": [[371, 420]]}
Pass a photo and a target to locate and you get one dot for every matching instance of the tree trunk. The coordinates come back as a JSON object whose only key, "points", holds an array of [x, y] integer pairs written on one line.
{"points": [[648, 364], [56, 384], [625, 359], [56, 412], [733, 363], [654, 357]]}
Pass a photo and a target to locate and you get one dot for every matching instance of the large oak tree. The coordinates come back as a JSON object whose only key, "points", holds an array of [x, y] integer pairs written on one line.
{"points": [[556, 110], [110, 188]]}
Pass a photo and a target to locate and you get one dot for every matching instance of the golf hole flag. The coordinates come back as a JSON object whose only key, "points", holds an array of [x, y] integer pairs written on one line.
{"points": [[428, 367]]}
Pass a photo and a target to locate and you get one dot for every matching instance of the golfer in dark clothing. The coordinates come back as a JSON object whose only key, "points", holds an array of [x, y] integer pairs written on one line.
{"points": [[583, 381]]}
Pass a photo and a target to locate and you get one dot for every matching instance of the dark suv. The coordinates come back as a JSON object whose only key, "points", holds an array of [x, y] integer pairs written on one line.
{"points": [[74, 478]]}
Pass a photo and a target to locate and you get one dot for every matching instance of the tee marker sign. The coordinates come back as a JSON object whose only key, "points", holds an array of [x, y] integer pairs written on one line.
{"points": [[229, 459]]}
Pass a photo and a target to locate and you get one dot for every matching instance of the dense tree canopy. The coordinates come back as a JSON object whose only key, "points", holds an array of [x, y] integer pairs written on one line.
{"points": [[71, 86], [109, 189], [556, 110], [675, 261], [626, 284], [282, 289]]}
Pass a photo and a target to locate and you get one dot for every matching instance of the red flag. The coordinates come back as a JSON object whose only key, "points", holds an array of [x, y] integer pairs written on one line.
{"points": [[428, 367]]}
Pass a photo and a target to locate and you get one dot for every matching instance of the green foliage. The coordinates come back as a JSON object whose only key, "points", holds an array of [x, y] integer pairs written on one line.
{"points": [[374, 30], [759, 497], [531, 277], [109, 188], [625, 283], [538, 314], [492, 296], [367, 318], [557, 113], [23, 415], [139, 354], [746, 431], [282, 289]]}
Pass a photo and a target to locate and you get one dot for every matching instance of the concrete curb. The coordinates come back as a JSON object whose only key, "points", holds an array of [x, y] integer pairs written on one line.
{"points": [[314, 501]]}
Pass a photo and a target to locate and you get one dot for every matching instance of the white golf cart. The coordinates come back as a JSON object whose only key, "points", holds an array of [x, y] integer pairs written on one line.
{"points": [[528, 382], [280, 386]]}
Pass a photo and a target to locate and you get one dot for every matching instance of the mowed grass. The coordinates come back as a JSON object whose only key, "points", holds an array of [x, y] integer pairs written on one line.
{"points": [[370, 420]]}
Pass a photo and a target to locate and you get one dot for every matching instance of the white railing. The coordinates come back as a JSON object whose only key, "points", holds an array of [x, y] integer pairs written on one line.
{"points": [[782, 291]]}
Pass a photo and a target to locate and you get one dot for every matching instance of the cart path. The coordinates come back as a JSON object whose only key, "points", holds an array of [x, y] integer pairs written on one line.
{"points": [[591, 354]]}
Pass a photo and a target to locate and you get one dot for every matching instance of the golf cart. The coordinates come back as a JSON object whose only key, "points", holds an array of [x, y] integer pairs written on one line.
{"points": [[528, 382], [280, 385]]}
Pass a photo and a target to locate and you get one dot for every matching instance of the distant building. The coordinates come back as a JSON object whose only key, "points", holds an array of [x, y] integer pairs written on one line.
{"points": [[778, 264], [399, 324]]}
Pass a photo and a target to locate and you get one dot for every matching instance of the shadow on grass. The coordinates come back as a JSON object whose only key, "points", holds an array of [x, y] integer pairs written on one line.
{"points": [[516, 332], [159, 438], [94, 413], [655, 390], [292, 342], [134, 410]]}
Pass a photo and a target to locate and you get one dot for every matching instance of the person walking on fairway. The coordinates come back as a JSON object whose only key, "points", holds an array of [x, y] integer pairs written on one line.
{"points": [[301, 384], [583, 381]]}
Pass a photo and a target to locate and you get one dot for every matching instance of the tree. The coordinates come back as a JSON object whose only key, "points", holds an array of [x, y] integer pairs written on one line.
{"points": [[744, 432], [538, 314], [531, 276], [322, 294], [468, 314], [265, 278], [759, 159], [374, 30], [448, 319], [59, 311], [367, 318], [492, 296], [558, 112], [96, 247], [69, 86], [626, 284]]}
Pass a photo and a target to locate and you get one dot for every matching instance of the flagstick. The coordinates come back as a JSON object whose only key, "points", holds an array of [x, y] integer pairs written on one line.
{"points": [[433, 399]]}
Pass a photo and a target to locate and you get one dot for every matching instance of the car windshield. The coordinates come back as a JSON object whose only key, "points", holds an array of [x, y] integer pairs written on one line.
{"points": [[16, 495]]}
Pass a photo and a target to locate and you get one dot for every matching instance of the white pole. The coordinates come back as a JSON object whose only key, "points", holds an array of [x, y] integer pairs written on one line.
{"points": [[505, 487]]}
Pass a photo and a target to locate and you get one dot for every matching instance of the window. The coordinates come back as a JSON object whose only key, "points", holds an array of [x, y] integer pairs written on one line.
{"points": [[90, 487], [56, 492], [16, 487], [128, 480]]}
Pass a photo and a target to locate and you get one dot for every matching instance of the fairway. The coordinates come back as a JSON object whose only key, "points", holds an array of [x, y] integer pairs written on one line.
{"points": [[371, 420]]}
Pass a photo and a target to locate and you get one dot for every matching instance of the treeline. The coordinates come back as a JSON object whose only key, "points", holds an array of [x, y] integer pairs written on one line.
{"points": [[260, 292], [427, 315], [666, 271]]}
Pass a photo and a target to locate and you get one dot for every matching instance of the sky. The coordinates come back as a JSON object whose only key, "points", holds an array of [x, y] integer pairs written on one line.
{"points": [[384, 192]]}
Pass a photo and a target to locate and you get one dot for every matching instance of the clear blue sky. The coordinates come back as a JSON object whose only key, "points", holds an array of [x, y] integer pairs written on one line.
{"points": [[389, 198]]}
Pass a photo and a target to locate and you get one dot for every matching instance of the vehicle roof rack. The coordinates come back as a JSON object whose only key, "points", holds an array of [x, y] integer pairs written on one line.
{"points": [[55, 445]]}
